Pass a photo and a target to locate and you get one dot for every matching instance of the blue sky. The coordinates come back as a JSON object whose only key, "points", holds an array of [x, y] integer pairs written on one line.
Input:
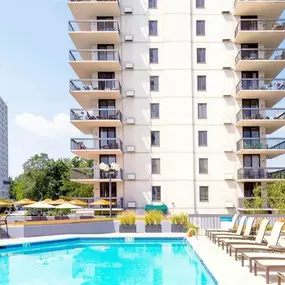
{"points": [[35, 75]]}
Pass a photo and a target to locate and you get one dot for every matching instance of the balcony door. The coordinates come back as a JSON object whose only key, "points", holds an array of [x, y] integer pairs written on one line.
{"points": [[107, 24], [249, 135], [106, 55], [104, 191], [249, 52], [247, 105], [108, 106], [106, 81], [251, 160], [106, 133], [250, 84], [249, 25], [107, 159]]}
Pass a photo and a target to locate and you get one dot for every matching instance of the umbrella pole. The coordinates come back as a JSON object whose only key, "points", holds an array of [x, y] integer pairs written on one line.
{"points": [[110, 193]]}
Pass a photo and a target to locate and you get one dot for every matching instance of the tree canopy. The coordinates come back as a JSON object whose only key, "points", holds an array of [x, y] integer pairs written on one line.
{"points": [[44, 177]]}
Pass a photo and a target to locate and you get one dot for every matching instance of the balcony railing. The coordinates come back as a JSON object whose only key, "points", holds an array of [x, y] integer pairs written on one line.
{"points": [[95, 114], [96, 144], [93, 26], [260, 84], [94, 55], [260, 54], [254, 203], [95, 85], [260, 25], [261, 143], [93, 173], [261, 114], [237, 1], [261, 173]]}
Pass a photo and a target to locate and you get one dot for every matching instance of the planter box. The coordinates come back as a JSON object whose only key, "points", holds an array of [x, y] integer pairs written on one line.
{"points": [[178, 228], [127, 228], [153, 228]]}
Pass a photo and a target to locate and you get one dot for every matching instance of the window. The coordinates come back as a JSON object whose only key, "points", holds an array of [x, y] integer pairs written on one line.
{"points": [[152, 4], [152, 28], [153, 55], [156, 193], [154, 83], [154, 111], [201, 83], [200, 3], [202, 111], [200, 28], [155, 165], [203, 165], [202, 138], [155, 138], [201, 55], [204, 193]]}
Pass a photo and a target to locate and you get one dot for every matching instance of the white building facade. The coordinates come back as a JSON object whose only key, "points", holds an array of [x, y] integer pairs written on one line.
{"points": [[4, 188], [181, 95]]}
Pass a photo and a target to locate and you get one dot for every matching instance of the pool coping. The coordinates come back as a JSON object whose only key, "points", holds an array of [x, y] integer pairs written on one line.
{"points": [[20, 242]]}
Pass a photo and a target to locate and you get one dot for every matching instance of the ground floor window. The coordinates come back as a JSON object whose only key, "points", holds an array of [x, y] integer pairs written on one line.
{"points": [[204, 193]]}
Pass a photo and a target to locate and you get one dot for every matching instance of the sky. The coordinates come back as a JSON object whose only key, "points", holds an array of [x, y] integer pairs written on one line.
{"points": [[34, 76]]}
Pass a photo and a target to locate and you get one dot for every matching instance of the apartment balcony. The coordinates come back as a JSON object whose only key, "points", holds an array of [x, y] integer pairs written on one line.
{"points": [[270, 118], [89, 148], [270, 90], [271, 147], [86, 62], [87, 9], [87, 120], [86, 91], [270, 61], [268, 32], [261, 204], [86, 33], [260, 174], [93, 176], [265, 8]]}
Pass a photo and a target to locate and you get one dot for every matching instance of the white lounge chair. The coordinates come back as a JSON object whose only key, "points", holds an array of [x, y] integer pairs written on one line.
{"points": [[259, 238], [247, 232], [269, 265], [272, 242], [225, 235], [231, 229]]}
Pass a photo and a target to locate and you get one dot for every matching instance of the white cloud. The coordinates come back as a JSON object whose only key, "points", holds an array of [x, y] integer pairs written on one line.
{"points": [[59, 126]]}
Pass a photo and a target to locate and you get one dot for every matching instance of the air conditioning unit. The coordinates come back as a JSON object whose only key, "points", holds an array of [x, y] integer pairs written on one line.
{"points": [[131, 176], [229, 176], [130, 121], [129, 65], [229, 205], [130, 93], [130, 148], [228, 149], [128, 38], [227, 122], [227, 95], [128, 10]]}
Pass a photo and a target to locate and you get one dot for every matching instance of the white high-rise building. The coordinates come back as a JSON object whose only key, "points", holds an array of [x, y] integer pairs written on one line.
{"points": [[181, 94], [4, 189]]}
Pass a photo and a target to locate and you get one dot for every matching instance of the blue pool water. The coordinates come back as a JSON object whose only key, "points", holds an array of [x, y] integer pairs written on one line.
{"points": [[103, 262]]}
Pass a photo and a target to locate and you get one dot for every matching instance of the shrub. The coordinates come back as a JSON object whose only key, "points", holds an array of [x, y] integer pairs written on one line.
{"points": [[153, 217], [179, 219], [191, 225], [128, 218]]}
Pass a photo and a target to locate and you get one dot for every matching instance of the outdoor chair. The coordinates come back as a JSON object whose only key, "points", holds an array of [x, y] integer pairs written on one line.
{"points": [[4, 222]]}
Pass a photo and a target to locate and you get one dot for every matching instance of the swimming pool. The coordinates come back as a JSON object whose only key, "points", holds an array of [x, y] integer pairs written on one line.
{"points": [[103, 261]]}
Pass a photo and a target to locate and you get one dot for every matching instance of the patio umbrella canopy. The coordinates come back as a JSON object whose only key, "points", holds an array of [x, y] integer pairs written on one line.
{"points": [[58, 202], [67, 206], [4, 204], [101, 203], [78, 203], [40, 205], [24, 202]]}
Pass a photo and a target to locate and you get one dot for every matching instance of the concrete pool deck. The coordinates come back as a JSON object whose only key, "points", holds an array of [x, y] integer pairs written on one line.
{"points": [[224, 268]]}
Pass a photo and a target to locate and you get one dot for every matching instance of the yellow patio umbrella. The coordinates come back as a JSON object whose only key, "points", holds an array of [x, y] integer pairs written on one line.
{"points": [[101, 203], [58, 202], [48, 201], [4, 204], [24, 202], [78, 203]]}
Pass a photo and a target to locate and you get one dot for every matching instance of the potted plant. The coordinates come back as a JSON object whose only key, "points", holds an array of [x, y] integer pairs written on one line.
{"points": [[128, 222], [153, 222], [179, 223]]}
